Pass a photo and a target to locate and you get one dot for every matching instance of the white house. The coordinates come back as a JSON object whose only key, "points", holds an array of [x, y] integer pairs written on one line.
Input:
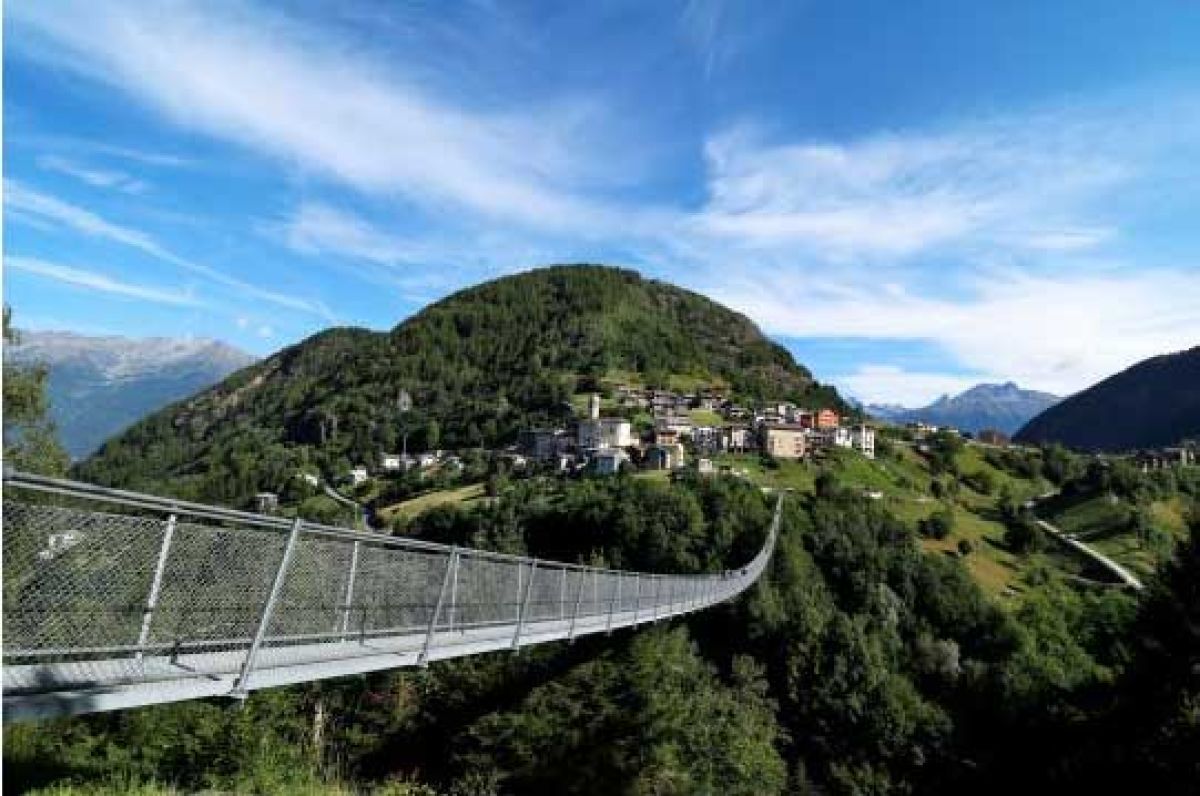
{"points": [[390, 462], [680, 424], [831, 437], [358, 475], [266, 502], [666, 456], [603, 432], [738, 438], [862, 439], [309, 478]]}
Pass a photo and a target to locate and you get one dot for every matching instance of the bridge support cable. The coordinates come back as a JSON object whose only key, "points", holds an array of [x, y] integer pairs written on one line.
{"points": [[115, 599]]}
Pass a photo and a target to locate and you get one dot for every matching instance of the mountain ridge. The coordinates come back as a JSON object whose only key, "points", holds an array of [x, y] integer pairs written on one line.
{"points": [[1151, 403], [1001, 406], [99, 385]]}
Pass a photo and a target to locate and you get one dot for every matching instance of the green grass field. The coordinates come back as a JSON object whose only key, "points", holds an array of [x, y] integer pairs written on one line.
{"points": [[462, 495]]}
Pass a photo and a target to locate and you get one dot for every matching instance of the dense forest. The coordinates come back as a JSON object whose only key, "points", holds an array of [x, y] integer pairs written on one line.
{"points": [[479, 366], [859, 665], [1153, 403]]}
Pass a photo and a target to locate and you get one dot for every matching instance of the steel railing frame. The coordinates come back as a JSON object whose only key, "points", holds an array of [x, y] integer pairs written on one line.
{"points": [[241, 663]]}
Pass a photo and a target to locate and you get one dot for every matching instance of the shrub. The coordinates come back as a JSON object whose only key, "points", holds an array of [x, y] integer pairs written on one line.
{"points": [[939, 525], [1023, 535]]}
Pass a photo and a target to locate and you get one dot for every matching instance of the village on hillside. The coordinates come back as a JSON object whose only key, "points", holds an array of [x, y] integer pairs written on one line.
{"points": [[636, 429], [698, 424], [673, 430]]}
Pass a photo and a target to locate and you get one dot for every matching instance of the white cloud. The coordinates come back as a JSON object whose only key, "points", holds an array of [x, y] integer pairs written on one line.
{"points": [[887, 384], [309, 100], [23, 201], [97, 178], [1054, 333], [1010, 182], [25, 204], [265, 331], [317, 228], [90, 280]]}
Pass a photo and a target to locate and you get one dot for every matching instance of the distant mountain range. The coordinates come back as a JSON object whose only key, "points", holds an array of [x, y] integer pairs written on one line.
{"points": [[1153, 403], [100, 385], [1004, 407]]}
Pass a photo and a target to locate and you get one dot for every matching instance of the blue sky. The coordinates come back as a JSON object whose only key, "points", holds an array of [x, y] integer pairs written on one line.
{"points": [[913, 197]]}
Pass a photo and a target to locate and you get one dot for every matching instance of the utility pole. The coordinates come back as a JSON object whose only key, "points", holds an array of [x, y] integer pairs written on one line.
{"points": [[403, 405]]}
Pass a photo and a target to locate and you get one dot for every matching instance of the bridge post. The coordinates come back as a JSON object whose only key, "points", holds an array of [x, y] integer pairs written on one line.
{"points": [[239, 686], [562, 594], [454, 594], [524, 607], [612, 604], [155, 585], [451, 562], [348, 600], [578, 600], [520, 588]]}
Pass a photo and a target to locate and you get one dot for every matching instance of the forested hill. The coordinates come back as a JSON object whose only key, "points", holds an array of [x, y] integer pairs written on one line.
{"points": [[1156, 402], [479, 365]]}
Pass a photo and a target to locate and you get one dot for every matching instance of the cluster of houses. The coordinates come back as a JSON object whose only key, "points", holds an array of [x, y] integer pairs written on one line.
{"points": [[606, 444], [1185, 455]]}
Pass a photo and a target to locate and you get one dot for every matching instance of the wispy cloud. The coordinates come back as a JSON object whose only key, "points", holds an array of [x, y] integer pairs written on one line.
{"points": [[1056, 333], [91, 280], [266, 83], [96, 177], [701, 24], [22, 201], [1020, 182], [320, 229], [25, 203]]}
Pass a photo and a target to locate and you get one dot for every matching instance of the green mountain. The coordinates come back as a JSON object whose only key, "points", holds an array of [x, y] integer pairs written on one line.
{"points": [[1153, 403], [479, 366]]}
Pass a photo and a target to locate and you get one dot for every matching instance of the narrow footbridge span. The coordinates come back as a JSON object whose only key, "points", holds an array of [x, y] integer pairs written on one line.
{"points": [[115, 599]]}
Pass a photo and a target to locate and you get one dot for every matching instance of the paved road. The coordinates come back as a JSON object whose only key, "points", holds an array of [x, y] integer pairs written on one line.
{"points": [[1124, 575], [360, 510]]}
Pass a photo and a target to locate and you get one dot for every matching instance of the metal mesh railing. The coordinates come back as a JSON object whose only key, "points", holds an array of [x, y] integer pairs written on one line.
{"points": [[150, 592]]}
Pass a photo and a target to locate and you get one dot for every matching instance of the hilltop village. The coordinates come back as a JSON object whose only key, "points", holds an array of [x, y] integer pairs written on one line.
{"points": [[697, 424], [649, 429]]}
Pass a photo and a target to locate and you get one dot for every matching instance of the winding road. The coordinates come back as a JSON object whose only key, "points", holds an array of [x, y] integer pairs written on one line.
{"points": [[1126, 577]]}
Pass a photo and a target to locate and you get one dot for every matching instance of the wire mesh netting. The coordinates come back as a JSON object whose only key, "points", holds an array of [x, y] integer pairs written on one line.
{"points": [[152, 590]]}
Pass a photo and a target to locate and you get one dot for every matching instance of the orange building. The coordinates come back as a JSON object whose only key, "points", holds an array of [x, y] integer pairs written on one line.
{"points": [[820, 419]]}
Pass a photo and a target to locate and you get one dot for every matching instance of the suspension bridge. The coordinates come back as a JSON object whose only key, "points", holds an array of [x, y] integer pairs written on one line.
{"points": [[116, 599]]}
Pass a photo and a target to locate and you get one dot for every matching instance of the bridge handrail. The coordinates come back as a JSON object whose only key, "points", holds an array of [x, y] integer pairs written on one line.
{"points": [[77, 489], [172, 599]]}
